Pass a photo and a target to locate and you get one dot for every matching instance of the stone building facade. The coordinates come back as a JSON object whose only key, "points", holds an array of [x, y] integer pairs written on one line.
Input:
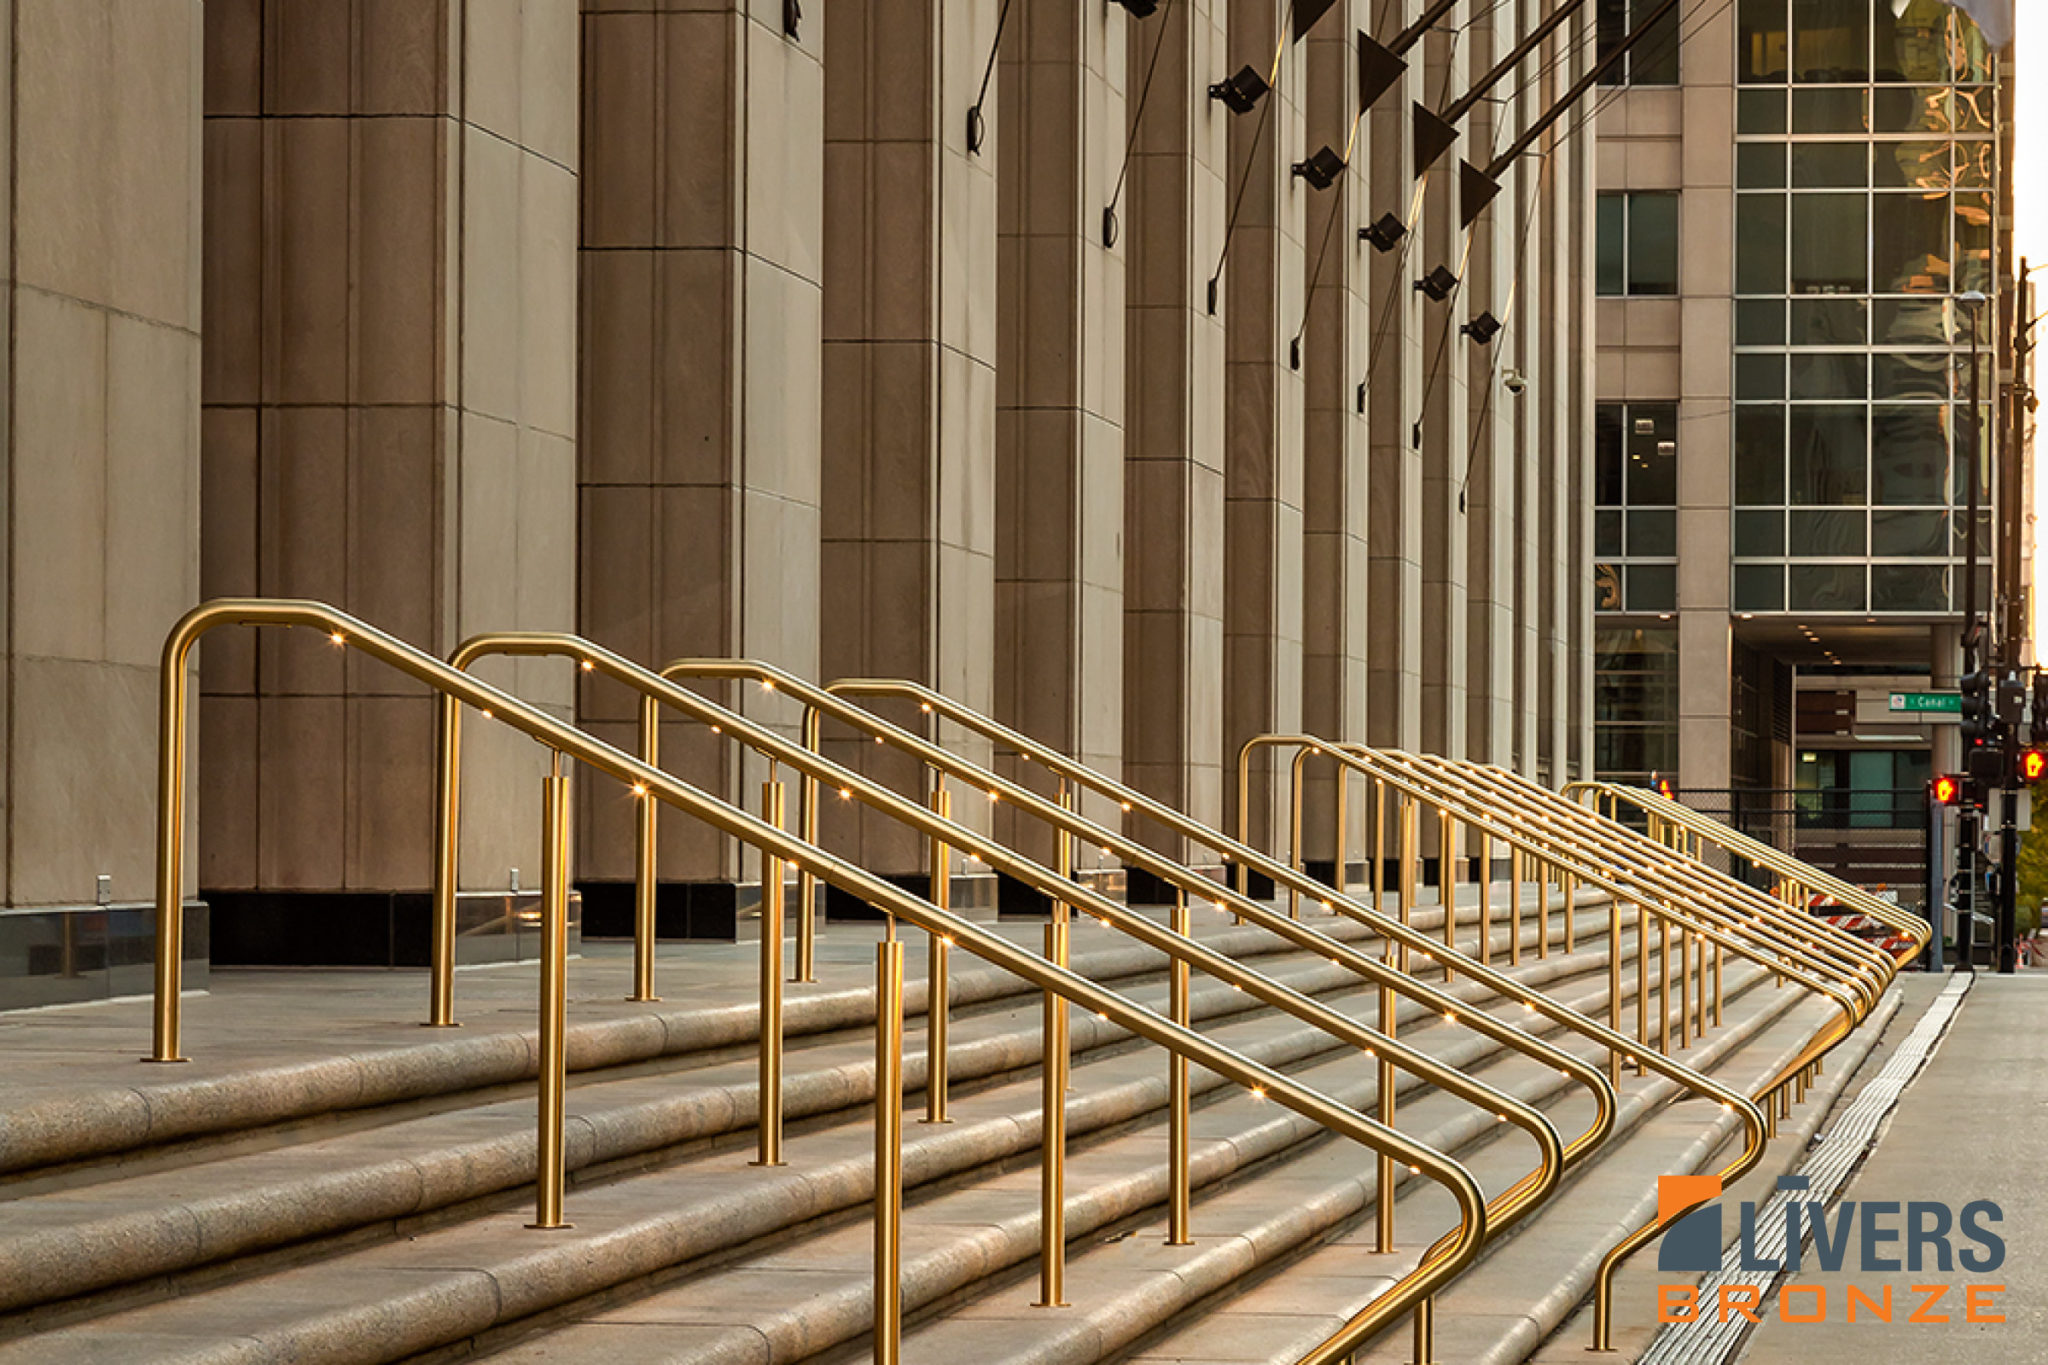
{"points": [[720, 328]]}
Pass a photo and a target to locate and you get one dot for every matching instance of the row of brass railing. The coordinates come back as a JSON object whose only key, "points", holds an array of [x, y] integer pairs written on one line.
{"points": [[1652, 873], [1549, 838], [1794, 881]]}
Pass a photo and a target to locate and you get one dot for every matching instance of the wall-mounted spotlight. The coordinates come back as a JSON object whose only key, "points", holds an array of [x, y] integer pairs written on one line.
{"points": [[1482, 329], [1241, 93], [1385, 234], [1322, 169], [1140, 9], [1438, 284]]}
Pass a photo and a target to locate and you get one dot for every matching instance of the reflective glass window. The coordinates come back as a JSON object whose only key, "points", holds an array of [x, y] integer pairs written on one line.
{"points": [[1830, 238], [1908, 456], [1825, 587], [1760, 533], [1909, 587], [1827, 451]]}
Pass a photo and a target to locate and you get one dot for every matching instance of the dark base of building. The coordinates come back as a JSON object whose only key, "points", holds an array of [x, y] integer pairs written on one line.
{"points": [[66, 954], [374, 928], [966, 895]]}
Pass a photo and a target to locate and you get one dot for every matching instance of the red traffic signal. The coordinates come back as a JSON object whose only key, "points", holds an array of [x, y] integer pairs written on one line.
{"points": [[1946, 789], [2033, 765]]}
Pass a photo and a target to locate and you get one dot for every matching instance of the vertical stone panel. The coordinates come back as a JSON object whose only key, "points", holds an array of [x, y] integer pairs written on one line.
{"points": [[1395, 359], [1485, 474], [1444, 416], [907, 555], [1172, 215], [1263, 303], [1059, 137], [390, 416], [1336, 348], [700, 315], [101, 216]]}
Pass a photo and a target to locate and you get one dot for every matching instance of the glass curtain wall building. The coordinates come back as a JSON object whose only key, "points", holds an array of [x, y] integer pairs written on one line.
{"points": [[1865, 169], [1790, 212]]}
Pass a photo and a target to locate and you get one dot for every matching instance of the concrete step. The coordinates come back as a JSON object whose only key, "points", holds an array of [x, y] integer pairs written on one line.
{"points": [[975, 1291], [422, 1160], [238, 1084], [817, 1192]]}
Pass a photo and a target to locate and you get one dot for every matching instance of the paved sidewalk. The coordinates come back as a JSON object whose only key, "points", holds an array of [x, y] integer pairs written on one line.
{"points": [[1974, 1125]]}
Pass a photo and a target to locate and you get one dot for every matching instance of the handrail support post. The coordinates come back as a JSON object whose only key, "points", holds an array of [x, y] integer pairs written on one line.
{"points": [[554, 983], [888, 1343], [769, 1144], [1052, 1181], [938, 981], [646, 847]]}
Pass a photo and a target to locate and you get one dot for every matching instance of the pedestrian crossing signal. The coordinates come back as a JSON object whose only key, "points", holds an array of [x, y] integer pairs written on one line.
{"points": [[2033, 764], [1946, 789]]}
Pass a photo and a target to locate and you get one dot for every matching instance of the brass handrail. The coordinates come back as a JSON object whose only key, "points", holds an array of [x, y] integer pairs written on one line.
{"points": [[1256, 861], [1786, 865], [1822, 947], [1817, 1047], [1506, 1208], [1385, 766], [1134, 801], [658, 688], [1752, 1117], [1680, 903], [1876, 968], [1537, 805], [1419, 1284]]}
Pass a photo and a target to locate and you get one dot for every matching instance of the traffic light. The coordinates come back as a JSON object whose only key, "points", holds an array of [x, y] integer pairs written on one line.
{"points": [[2032, 765], [2011, 701], [2040, 716], [1945, 790], [1976, 710]]}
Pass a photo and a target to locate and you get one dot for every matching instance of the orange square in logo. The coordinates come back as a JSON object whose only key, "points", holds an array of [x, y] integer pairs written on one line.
{"points": [[1676, 1193]]}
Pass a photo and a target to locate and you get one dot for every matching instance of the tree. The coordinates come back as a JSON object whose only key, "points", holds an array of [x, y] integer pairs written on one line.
{"points": [[2033, 878]]}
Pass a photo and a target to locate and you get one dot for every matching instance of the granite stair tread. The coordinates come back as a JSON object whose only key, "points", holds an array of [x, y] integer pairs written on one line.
{"points": [[788, 1195]]}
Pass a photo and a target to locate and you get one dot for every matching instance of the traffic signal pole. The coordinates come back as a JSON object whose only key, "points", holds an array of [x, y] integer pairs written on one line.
{"points": [[1969, 827], [2012, 599]]}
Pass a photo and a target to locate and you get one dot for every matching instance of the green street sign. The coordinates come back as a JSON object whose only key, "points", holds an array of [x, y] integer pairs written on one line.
{"points": [[1924, 703]]}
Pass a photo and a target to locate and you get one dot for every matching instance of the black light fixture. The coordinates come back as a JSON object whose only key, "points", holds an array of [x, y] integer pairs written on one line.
{"points": [[1241, 93], [1438, 283], [1482, 329], [1140, 9], [1385, 234], [1322, 169]]}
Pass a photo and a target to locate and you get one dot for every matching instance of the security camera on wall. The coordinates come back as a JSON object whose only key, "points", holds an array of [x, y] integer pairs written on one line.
{"points": [[1515, 381]]}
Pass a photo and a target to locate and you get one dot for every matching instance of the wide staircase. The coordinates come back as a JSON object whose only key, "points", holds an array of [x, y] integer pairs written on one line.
{"points": [[1420, 1118]]}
